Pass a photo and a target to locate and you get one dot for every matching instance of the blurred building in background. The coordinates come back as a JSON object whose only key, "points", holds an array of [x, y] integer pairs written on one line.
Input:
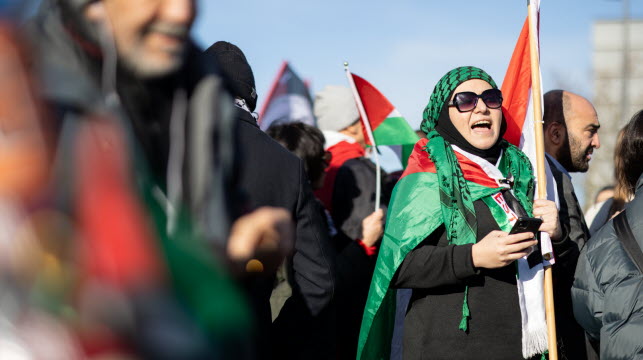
{"points": [[618, 91]]}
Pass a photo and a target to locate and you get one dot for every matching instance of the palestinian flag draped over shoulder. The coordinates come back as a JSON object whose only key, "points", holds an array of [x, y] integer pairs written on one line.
{"points": [[414, 212], [288, 101], [519, 113], [388, 125]]}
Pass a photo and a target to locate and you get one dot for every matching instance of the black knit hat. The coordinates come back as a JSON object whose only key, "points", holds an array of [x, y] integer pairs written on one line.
{"points": [[235, 70]]}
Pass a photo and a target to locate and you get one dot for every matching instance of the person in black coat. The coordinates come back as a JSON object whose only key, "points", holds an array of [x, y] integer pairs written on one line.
{"points": [[271, 176]]}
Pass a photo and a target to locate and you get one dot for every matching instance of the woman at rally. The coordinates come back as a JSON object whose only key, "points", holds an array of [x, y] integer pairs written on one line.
{"points": [[476, 290]]}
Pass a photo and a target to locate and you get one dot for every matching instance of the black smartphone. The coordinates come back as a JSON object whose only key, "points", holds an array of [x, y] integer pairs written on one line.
{"points": [[526, 224]]}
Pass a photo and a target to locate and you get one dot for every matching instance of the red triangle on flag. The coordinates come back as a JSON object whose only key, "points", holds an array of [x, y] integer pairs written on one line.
{"points": [[376, 105]]}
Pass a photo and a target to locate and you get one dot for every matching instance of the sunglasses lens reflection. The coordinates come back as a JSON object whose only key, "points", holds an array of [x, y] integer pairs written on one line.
{"points": [[467, 101], [493, 98]]}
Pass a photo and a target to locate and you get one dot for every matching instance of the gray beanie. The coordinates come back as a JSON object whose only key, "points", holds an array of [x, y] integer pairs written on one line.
{"points": [[335, 108]]}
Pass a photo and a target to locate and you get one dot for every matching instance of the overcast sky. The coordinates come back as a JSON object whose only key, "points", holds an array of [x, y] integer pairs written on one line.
{"points": [[404, 47]]}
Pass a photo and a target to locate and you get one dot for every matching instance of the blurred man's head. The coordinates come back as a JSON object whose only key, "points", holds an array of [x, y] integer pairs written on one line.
{"points": [[335, 110], [151, 36], [571, 129]]}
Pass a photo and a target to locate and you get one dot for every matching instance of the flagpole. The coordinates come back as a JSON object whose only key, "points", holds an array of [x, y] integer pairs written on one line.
{"points": [[536, 93], [371, 138]]}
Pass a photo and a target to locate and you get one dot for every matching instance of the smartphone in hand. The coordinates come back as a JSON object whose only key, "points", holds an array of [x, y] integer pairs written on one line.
{"points": [[526, 224]]}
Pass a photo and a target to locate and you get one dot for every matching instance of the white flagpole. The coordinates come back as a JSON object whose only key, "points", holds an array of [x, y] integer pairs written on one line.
{"points": [[369, 131], [533, 10]]}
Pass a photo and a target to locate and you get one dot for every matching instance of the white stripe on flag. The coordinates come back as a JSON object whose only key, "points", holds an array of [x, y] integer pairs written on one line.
{"points": [[528, 146]]}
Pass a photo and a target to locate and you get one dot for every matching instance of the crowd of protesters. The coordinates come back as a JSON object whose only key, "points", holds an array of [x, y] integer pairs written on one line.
{"points": [[145, 215]]}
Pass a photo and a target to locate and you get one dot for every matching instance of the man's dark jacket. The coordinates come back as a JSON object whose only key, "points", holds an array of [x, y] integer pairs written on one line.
{"points": [[270, 175], [571, 338]]}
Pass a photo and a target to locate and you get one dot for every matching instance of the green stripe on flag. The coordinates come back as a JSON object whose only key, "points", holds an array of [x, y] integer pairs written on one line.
{"points": [[395, 131]]}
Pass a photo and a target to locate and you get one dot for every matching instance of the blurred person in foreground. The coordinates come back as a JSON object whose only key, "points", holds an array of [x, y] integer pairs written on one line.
{"points": [[475, 293], [608, 286], [145, 157], [270, 175], [354, 265], [570, 135], [35, 277]]}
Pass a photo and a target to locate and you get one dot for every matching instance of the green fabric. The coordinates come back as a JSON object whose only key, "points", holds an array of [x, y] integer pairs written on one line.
{"points": [[498, 213], [423, 201], [406, 152], [395, 131]]}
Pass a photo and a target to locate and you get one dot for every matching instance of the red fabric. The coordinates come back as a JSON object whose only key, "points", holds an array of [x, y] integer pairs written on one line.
{"points": [[369, 250], [376, 105], [341, 152], [516, 87], [419, 162], [118, 246]]}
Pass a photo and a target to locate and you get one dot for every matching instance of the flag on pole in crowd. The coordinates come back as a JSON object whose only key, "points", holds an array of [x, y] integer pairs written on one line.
{"points": [[518, 111], [368, 135], [288, 100], [386, 122], [522, 108]]}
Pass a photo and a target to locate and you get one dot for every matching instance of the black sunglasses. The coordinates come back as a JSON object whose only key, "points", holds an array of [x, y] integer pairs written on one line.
{"points": [[468, 100]]}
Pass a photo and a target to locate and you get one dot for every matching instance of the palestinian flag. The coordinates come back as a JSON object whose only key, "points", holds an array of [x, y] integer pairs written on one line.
{"points": [[414, 213], [387, 124], [519, 112], [288, 101]]}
